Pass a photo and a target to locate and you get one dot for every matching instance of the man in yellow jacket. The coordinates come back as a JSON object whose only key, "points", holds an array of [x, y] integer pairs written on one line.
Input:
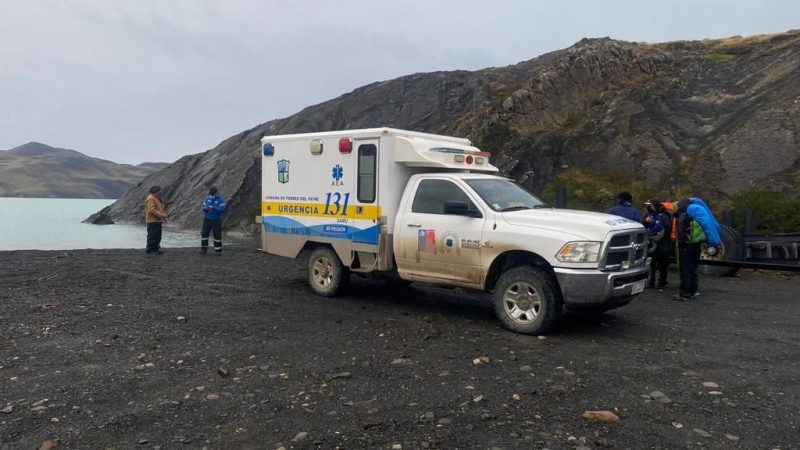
{"points": [[155, 213]]}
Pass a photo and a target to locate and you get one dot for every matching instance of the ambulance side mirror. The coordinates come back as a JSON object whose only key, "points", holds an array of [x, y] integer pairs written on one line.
{"points": [[460, 209]]}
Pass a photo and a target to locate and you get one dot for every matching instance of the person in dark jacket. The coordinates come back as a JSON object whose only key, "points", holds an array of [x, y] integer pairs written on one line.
{"points": [[693, 216], [658, 224], [213, 208], [625, 208]]}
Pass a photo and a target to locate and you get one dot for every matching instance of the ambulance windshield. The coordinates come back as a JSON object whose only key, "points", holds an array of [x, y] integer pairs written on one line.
{"points": [[505, 195]]}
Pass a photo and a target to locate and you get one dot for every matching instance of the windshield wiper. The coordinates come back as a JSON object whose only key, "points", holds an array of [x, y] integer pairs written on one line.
{"points": [[542, 206], [514, 208]]}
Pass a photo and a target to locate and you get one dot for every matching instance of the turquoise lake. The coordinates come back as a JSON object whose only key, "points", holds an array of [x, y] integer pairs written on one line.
{"points": [[55, 224]]}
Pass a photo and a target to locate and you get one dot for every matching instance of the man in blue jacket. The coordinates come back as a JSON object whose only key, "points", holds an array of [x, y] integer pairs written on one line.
{"points": [[625, 208], [213, 208], [696, 225]]}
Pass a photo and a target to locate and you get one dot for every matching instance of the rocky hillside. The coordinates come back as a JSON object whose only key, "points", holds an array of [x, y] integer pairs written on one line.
{"points": [[709, 118], [38, 170]]}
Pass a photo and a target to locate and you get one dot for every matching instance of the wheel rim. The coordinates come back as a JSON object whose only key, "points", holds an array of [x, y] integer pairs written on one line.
{"points": [[522, 303], [720, 256], [322, 272]]}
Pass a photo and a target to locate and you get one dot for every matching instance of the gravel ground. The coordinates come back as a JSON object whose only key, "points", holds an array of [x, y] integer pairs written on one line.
{"points": [[116, 349]]}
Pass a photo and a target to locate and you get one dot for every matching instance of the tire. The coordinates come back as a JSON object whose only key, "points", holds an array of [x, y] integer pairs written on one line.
{"points": [[327, 276], [731, 249], [526, 300]]}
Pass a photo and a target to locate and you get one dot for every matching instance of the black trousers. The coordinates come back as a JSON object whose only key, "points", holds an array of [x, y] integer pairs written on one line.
{"points": [[688, 257], [153, 237], [659, 264], [213, 226]]}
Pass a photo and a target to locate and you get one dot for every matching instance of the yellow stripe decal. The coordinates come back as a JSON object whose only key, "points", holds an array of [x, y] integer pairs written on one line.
{"points": [[364, 212]]}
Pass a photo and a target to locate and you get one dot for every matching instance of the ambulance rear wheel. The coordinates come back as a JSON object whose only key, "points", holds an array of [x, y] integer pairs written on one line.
{"points": [[327, 276], [526, 300]]}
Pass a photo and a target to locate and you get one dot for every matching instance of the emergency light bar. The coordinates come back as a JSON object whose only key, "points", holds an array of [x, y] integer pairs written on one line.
{"points": [[345, 145]]}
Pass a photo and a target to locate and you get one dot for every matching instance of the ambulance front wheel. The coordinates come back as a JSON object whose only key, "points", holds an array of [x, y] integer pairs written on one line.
{"points": [[526, 300], [327, 276]]}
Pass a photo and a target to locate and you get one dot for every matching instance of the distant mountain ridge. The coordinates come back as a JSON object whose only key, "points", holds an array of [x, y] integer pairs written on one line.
{"points": [[38, 170], [709, 118]]}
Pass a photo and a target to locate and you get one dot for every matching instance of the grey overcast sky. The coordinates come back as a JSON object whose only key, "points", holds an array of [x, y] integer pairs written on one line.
{"points": [[153, 80]]}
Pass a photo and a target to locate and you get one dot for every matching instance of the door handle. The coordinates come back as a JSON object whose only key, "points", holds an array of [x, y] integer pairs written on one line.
{"points": [[415, 225]]}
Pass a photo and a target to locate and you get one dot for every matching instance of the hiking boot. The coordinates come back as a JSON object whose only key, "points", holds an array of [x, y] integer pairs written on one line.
{"points": [[696, 294], [681, 297]]}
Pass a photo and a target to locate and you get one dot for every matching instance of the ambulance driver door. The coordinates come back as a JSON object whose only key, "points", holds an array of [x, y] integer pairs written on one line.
{"points": [[442, 233]]}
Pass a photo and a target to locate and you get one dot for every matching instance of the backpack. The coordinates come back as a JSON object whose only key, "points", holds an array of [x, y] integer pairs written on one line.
{"points": [[696, 233]]}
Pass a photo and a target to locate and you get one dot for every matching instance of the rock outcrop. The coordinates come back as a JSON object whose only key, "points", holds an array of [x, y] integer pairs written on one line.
{"points": [[710, 117]]}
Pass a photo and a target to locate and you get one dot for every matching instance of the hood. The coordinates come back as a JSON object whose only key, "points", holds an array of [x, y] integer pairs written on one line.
{"points": [[586, 225]]}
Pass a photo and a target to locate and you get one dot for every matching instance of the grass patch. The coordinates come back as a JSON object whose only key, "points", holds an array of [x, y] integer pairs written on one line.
{"points": [[719, 57]]}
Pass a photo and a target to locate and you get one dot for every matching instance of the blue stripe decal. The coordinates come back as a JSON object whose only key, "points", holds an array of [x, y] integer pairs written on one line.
{"points": [[285, 225]]}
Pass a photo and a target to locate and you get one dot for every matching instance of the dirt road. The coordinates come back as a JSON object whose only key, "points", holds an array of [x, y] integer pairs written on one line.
{"points": [[116, 349]]}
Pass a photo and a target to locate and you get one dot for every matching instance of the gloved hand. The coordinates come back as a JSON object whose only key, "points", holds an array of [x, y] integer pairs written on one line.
{"points": [[711, 251]]}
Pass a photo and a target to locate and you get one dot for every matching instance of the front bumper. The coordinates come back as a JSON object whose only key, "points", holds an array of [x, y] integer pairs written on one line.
{"points": [[592, 288]]}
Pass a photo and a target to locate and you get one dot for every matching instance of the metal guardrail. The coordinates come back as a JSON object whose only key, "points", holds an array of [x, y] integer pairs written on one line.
{"points": [[789, 266]]}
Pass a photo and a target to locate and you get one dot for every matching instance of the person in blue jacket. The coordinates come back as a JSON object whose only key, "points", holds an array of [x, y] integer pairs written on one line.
{"points": [[625, 207], [213, 208], [658, 224], [695, 225]]}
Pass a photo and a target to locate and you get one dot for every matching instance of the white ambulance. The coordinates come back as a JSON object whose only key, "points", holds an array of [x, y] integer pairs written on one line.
{"points": [[425, 207]]}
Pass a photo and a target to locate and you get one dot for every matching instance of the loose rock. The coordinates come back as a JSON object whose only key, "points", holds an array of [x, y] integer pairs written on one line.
{"points": [[710, 384], [49, 445], [481, 360], [300, 436], [660, 397], [703, 433], [601, 416], [369, 422], [7, 410]]}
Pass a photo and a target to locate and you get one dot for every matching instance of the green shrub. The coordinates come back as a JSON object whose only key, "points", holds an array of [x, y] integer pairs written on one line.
{"points": [[719, 57], [776, 212], [593, 191], [496, 138]]}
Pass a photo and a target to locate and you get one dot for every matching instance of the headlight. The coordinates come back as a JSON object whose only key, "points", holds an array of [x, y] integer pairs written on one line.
{"points": [[579, 252]]}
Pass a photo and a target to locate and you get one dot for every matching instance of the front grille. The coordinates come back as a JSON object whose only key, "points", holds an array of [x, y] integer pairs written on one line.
{"points": [[624, 246]]}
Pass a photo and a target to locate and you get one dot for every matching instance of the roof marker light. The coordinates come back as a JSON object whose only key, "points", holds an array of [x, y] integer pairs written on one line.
{"points": [[478, 160], [268, 149], [458, 158], [316, 147], [345, 145]]}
